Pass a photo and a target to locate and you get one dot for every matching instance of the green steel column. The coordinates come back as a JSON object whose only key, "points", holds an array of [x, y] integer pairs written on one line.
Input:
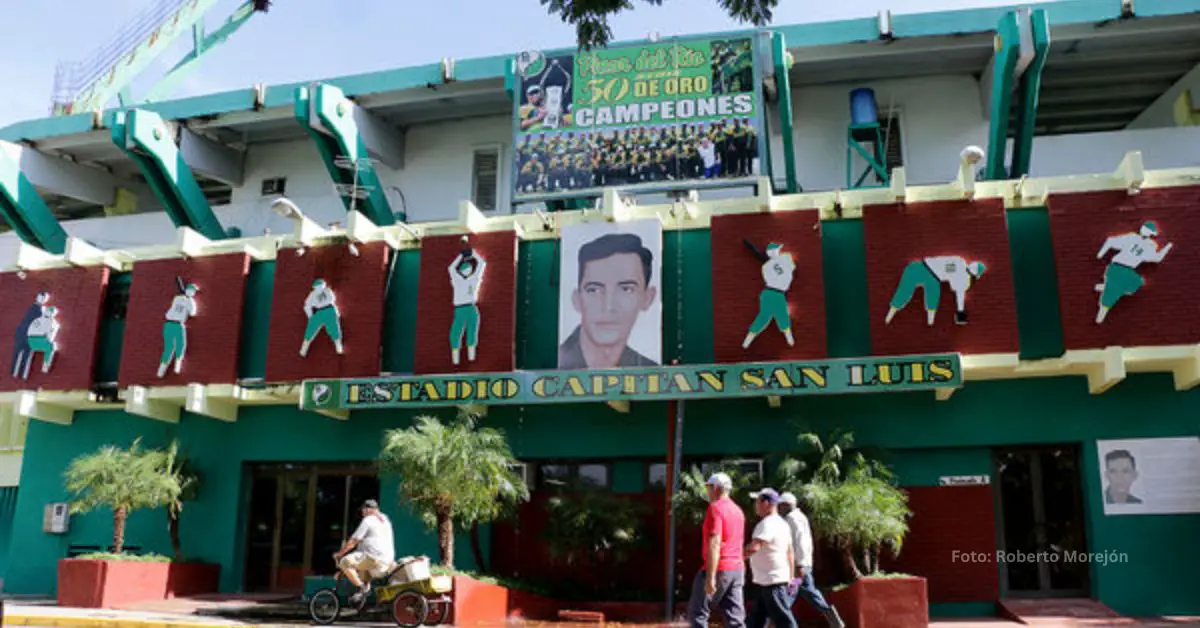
{"points": [[146, 140], [1030, 87], [328, 117], [25, 211], [201, 45], [1008, 44], [783, 87]]}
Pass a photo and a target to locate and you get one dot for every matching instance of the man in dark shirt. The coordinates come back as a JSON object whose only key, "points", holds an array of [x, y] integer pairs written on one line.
{"points": [[21, 352], [614, 288], [1121, 471]]}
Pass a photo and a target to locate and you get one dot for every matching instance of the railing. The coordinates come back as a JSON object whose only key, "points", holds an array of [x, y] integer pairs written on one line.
{"points": [[71, 78]]}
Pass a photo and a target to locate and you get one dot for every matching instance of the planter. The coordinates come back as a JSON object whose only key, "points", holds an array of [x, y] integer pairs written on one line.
{"points": [[476, 602], [110, 583], [876, 603]]}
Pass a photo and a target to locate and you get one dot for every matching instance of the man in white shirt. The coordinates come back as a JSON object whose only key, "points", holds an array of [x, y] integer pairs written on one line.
{"points": [[183, 307], [466, 276], [370, 552], [771, 560], [1120, 278], [708, 155], [321, 309], [802, 542], [778, 269], [929, 274]]}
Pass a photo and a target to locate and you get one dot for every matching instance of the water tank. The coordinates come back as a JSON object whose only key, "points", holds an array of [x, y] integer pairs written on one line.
{"points": [[863, 109]]}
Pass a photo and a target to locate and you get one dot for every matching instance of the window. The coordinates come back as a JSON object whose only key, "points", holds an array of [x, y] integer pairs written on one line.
{"points": [[554, 475], [889, 124], [523, 470], [656, 473], [274, 186], [485, 178]]}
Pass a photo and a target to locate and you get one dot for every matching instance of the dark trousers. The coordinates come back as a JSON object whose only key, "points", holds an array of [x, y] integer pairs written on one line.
{"points": [[728, 597], [809, 592], [773, 603]]}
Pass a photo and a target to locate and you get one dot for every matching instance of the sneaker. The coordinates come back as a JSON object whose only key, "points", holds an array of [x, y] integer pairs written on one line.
{"points": [[361, 594]]}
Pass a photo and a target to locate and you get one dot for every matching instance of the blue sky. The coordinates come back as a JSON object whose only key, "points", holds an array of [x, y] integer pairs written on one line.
{"points": [[312, 39]]}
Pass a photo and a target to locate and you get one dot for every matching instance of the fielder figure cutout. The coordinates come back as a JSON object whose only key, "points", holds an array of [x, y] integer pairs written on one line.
{"points": [[43, 332], [1120, 278], [183, 306], [466, 276], [928, 274], [778, 269], [321, 309], [21, 338]]}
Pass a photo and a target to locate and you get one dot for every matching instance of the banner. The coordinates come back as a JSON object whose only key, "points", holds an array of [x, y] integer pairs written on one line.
{"points": [[1150, 476], [889, 374], [645, 116], [610, 295]]}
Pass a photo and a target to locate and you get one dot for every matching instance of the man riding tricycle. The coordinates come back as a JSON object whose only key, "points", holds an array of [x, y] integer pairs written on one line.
{"points": [[370, 581]]}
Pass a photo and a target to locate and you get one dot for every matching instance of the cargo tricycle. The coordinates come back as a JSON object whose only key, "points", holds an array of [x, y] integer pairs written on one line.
{"points": [[408, 591]]}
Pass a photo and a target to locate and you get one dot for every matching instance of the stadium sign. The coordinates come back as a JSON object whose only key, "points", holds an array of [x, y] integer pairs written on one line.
{"points": [[882, 374]]}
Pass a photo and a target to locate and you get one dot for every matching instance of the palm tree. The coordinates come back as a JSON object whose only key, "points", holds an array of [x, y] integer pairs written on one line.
{"points": [[452, 473], [175, 469], [123, 480]]}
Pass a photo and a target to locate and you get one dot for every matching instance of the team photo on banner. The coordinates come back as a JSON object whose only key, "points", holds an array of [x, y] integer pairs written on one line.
{"points": [[637, 116]]}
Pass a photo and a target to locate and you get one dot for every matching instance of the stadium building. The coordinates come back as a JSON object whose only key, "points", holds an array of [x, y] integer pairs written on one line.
{"points": [[972, 238]]}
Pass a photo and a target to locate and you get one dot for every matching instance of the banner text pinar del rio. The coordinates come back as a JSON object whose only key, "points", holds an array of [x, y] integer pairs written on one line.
{"points": [[894, 374]]}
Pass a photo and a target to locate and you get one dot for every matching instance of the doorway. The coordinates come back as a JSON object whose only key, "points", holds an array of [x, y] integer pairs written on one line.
{"points": [[1041, 522], [299, 515]]}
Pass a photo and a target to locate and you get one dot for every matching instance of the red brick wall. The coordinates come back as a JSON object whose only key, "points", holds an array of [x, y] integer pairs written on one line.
{"points": [[212, 335], [900, 233], [78, 293], [737, 282], [497, 304], [1166, 310], [358, 283], [947, 520]]}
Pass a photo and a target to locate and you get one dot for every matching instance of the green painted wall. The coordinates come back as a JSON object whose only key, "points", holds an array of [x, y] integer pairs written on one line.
{"points": [[924, 439]]}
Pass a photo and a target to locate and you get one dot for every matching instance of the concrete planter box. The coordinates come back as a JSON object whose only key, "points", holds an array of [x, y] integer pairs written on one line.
{"points": [[876, 603], [111, 583]]}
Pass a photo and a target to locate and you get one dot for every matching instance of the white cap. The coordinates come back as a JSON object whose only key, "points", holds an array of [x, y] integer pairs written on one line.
{"points": [[787, 498], [720, 480]]}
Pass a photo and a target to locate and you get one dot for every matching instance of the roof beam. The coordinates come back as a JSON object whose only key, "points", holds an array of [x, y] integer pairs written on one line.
{"points": [[212, 159], [63, 177]]}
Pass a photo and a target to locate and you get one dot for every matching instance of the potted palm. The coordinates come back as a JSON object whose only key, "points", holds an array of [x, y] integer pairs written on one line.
{"points": [[855, 506], [456, 472], [124, 481]]}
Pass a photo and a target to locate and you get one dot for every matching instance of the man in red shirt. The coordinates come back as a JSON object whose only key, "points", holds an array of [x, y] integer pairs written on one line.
{"points": [[721, 580]]}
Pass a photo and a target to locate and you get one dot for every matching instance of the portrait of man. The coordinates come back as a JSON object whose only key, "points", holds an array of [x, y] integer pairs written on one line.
{"points": [[1120, 472], [609, 311]]}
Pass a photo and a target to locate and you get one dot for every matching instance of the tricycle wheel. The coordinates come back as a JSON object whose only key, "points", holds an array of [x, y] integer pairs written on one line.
{"points": [[438, 609], [324, 606], [410, 609]]}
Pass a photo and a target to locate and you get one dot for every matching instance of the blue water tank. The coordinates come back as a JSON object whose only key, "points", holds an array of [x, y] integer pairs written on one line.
{"points": [[863, 109]]}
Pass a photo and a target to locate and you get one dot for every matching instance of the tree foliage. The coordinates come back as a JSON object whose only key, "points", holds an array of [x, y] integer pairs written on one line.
{"points": [[452, 473], [590, 17], [123, 480]]}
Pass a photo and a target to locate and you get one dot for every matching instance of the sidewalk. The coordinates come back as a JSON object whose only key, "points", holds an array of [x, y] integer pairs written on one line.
{"points": [[48, 616]]}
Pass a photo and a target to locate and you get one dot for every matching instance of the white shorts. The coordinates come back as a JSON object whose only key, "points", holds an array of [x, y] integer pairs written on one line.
{"points": [[364, 564]]}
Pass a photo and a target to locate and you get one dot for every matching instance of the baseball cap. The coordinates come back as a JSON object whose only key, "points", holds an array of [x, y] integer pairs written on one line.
{"points": [[768, 495], [1151, 227], [720, 480], [370, 503], [788, 498]]}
